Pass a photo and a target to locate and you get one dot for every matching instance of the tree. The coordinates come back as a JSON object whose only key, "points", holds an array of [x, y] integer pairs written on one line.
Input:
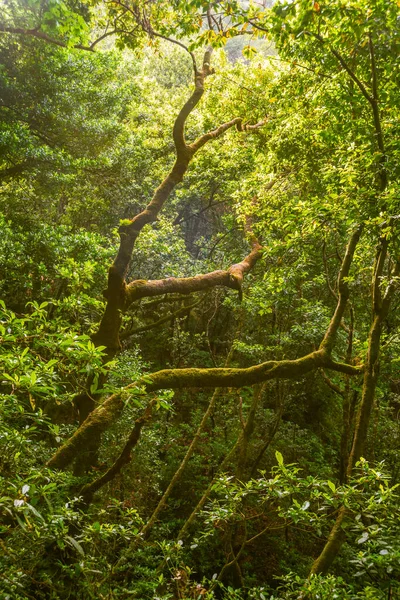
{"points": [[336, 175]]}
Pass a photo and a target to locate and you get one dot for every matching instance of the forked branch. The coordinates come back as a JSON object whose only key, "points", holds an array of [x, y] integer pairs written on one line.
{"points": [[102, 417]]}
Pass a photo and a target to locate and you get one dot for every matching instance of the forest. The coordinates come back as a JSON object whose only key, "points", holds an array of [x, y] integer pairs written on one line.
{"points": [[199, 299]]}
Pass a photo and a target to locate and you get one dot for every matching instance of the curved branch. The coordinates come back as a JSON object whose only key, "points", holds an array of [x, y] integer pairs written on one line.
{"points": [[184, 154], [108, 332], [232, 278], [349, 71], [107, 34], [178, 132], [178, 43], [110, 410], [41, 36]]}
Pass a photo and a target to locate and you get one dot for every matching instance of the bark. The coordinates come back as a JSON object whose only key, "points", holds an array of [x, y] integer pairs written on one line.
{"points": [[111, 322], [35, 32], [17, 169], [347, 399], [332, 546], [88, 491], [106, 414], [185, 528], [111, 408], [247, 432], [232, 278]]}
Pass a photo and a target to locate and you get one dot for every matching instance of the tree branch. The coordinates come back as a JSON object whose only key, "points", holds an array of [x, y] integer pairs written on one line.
{"points": [[377, 119], [232, 278], [124, 458], [338, 390], [41, 36], [349, 71], [325, 262], [155, 324], [178, 43], [343, 289], [16, 169], [111, 408]]}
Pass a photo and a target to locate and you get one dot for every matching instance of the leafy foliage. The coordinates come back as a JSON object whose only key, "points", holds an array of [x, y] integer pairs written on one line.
{"points": [[229, 494]]}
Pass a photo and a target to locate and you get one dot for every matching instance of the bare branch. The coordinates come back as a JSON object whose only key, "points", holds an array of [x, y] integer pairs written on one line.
{"points": [[178, 43], [155, 324], [338, 390]]}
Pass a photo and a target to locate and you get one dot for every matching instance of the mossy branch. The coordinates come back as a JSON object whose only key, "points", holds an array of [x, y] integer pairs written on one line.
{"points": [[112, 407], [231, 278], [124, 458], [103, 416]]}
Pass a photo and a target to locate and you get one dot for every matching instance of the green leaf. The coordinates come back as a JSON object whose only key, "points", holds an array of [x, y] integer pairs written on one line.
{"points": [[363, 538], [75, 544], [34, 511], [249, 51], [332, 486]]}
